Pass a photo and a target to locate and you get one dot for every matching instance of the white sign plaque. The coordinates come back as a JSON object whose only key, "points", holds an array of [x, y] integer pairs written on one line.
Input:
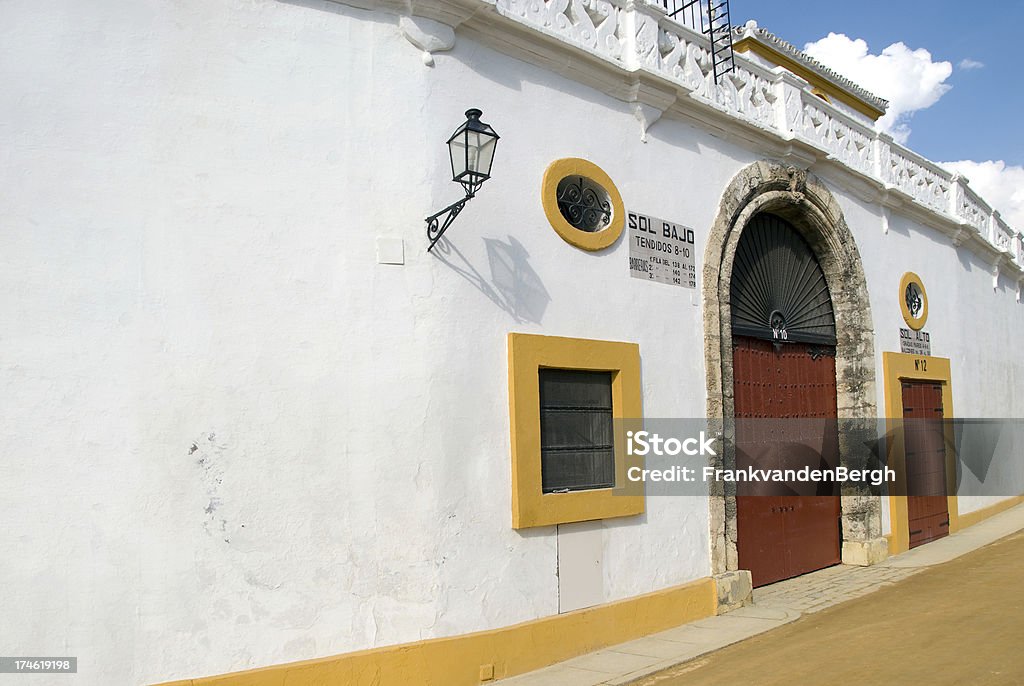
{"points": [[661, 251], [915, 342]]}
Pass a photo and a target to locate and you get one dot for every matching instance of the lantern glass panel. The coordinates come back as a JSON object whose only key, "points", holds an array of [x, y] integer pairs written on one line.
{"points": [[457, 149], [483, 155]]}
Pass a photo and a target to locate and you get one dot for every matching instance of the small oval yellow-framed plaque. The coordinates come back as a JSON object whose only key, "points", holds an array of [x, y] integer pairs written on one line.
{"points": [[913, 301]]}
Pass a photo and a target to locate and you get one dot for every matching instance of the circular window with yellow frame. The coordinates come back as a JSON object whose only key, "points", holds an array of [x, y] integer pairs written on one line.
{"points": [[913, 301], [582, 204]]}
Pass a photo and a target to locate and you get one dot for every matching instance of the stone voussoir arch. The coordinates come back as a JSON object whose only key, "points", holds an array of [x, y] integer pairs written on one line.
{"points": [[805, 202]]}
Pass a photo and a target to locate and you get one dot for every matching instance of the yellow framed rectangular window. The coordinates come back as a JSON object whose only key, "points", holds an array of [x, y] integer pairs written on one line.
{"points": [[575, 442]]}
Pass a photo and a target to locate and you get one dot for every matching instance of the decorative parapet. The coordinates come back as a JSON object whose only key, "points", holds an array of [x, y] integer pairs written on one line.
{"points": [[634, 52], [591, 24], [912, 175], [1002, 236], [665, 48], [970, 208], [843, 138], [684, 56]]}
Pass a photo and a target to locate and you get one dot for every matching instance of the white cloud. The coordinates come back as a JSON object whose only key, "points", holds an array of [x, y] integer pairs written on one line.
{"points": [[1000, 185], [908, 79], [967, 63]]}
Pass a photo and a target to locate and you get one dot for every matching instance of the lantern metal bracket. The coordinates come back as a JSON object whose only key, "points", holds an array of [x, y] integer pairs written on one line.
{"points": [[435, 231]]}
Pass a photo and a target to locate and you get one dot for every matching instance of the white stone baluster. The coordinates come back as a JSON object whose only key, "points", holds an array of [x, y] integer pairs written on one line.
{"points": [[638, 31], [788, 102], [1001, 235], [882, 153]]}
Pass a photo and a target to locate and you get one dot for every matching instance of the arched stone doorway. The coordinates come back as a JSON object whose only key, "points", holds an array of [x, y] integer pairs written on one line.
{"points": [[784, 402], [809, 207]]}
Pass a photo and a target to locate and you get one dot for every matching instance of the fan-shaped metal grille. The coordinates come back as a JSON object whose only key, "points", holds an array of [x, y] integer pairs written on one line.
{"points": [[778, 289]]}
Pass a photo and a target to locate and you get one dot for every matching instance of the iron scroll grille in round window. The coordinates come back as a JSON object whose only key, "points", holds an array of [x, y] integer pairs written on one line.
{"points": [[915, 301], [584, 204], [778, 289]]}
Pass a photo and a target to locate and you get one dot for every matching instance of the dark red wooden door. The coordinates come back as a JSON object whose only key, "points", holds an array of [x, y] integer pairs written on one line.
{"points": [[925, 449], [785, 530]]}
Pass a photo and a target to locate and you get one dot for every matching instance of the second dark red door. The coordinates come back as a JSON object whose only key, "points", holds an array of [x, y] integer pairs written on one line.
{"points": [[925, 450]]}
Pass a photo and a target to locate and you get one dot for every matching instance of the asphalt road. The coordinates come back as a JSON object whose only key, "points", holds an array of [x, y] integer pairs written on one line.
{"points": [[958, 623]]}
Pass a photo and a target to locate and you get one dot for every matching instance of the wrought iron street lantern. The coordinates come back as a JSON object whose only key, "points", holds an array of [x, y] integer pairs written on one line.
{"points": [[471, 148]]}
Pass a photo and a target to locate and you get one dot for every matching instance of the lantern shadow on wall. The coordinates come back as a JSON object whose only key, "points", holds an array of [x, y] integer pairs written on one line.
{"points": [[514, 286]]}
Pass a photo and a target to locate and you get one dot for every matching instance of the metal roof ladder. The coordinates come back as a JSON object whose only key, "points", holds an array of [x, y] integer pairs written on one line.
{"points": [[710, 17]]}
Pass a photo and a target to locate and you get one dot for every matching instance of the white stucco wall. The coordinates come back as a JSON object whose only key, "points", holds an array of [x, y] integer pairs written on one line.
{"points": [[971, 322], [237, 440], [232, 438]]}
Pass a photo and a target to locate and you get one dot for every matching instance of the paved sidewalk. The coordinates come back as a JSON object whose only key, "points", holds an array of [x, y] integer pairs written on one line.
{"points": [[774, 606]]}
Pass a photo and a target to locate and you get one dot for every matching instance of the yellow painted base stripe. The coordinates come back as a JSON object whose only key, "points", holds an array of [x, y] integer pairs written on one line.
{"points": [[456, 660], [971, 518]]}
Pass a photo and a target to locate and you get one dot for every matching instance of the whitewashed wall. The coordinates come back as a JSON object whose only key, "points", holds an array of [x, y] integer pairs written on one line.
{"points": [[234, 438], [971, 322], [230, 438]]}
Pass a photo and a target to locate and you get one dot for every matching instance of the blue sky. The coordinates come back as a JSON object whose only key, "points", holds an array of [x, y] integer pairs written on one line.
{"points": [[979, 117], [961, 102]]}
